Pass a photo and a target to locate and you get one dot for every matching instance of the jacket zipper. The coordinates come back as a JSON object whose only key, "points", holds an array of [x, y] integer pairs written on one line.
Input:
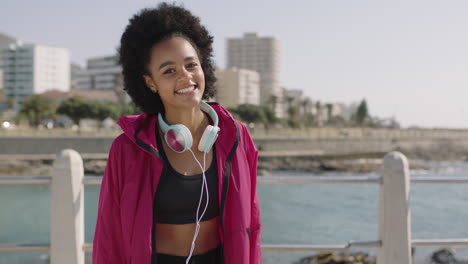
{"points": [[249, 234]]}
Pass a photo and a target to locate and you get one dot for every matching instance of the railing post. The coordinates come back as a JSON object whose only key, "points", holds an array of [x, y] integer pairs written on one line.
{"points": [[394, 211], [67, 209]]}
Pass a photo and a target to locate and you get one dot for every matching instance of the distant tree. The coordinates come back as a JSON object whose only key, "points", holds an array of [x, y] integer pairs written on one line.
{"points": [[318, 108], [269, 116], [362, 112], [293, 120], [11, 102], [337, 121], [305, 104], [318, 105], [37, 109], [101, 110], [289, 102], [250, 113], [77, 108], [292, 123], [128, 109], [309, 119], [293, 112], [233, 111], [273, 100], [329, 111]]}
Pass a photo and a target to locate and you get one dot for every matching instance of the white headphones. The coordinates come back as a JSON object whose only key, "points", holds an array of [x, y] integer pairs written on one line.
{"points": [[179, 138]]}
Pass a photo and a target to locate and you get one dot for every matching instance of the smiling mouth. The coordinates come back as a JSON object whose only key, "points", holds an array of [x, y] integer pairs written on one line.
{"points": [[187, 90]]}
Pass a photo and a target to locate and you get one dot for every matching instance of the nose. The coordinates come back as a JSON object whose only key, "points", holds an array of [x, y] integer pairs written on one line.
{"points": [[185, 75]]}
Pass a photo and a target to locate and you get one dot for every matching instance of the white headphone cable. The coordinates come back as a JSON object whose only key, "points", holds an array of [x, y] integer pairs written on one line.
{"points": [[204, 187]]}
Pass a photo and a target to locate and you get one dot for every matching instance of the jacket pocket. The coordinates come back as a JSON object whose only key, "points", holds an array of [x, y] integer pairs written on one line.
{"points": [[249, 234]]}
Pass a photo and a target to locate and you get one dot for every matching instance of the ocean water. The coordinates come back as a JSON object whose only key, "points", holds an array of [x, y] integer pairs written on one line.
{"points": [[325, 214]]}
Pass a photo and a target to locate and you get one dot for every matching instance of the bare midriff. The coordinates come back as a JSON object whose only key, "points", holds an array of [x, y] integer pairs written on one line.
{"points": [[176, 240]]}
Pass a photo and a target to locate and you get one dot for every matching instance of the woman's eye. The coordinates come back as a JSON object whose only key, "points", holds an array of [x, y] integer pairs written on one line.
{"points": [[169, 71], [191, 65]]}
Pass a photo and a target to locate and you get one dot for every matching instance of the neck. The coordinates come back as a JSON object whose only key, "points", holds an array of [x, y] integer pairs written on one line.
{"points": [[194, 118]]}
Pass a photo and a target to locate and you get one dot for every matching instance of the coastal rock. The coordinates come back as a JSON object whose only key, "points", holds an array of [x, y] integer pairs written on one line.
{"points": [[95, 167], [360, 165], [442, 256], [445, 256], [12, 167], [25, 168], [338, 258]]}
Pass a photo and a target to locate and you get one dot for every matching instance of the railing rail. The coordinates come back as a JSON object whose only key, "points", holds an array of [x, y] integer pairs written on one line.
{"points": [[87, 247], [394, 242], [24, 247], [96, 180]]}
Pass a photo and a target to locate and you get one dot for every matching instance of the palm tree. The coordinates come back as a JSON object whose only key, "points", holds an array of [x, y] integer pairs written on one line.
{"points": [[318, 107], [273, 101], [329, 111], [362, 112], [305, 104]]}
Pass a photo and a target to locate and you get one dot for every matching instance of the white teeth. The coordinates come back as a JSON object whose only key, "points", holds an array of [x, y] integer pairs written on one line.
{"points": [[186, 90]]}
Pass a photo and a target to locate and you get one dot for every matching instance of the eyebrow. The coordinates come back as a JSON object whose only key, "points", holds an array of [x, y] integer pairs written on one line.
{"points": [[164, 64]]}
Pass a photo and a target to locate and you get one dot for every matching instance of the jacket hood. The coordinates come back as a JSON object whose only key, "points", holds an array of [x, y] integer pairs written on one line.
{"points": [[141, 128]]}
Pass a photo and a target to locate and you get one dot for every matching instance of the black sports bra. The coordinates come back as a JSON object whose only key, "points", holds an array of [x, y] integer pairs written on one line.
{"points": [[177, 196]]}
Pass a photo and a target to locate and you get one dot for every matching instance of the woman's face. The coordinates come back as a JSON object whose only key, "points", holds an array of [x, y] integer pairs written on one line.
{"points": [[176, 73]]}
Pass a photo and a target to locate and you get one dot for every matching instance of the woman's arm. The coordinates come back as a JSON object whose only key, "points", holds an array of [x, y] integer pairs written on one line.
{"points": [[108, 241]]}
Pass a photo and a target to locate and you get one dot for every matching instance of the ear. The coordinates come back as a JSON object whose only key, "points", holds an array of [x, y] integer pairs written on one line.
{"points": [[150, 83]]}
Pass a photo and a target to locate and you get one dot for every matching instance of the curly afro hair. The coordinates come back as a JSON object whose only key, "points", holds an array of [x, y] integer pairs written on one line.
{"points": [[145, 29]]}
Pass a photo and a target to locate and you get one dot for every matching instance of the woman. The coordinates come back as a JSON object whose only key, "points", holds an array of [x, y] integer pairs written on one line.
{"points": [[180, 182]]}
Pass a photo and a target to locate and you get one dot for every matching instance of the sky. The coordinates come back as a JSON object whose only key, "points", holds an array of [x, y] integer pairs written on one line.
{"points": [[407, 58]]}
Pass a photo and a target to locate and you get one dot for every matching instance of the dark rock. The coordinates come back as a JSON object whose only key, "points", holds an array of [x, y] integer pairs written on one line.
{"points": [[445, 256], [338, 258], [24, 168], [96, 167]]}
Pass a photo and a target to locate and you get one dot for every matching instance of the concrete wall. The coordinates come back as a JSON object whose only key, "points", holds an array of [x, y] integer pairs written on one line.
{"points": [[49, 145], [344, 145]]}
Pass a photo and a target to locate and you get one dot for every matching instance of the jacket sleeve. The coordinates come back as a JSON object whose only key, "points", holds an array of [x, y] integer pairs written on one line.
{"points": [[108, 241], [255, 222]]}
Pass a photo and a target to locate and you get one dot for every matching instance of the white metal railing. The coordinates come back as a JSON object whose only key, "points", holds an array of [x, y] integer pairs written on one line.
{"points": [[96, 180], [394, 243]]}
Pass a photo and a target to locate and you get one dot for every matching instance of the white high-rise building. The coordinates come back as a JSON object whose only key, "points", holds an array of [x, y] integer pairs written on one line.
{"points": [[237, 86], [33, 69], [261, 54], [102, 73]]}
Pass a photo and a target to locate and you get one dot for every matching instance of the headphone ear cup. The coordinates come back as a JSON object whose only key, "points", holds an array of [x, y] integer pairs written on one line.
{"points": [[179, 138], [208, 138]]}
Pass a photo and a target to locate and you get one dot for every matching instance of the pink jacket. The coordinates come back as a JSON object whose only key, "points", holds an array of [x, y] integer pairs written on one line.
{"points": [[124, 229]]}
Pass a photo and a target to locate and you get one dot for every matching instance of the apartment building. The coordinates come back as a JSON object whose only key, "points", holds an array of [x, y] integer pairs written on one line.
{"points": [[30, 68], [260, 54], [238, 86], [101, 73]]}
